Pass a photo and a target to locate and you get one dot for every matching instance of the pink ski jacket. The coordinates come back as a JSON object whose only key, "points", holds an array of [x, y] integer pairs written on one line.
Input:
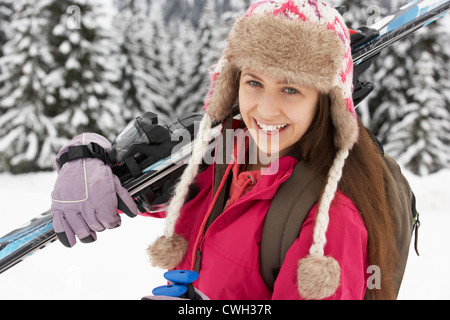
{"points": [[227, 255]]}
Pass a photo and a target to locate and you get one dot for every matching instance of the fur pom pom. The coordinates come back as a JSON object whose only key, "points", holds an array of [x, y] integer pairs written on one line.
{"points": [[318, 277], [167, 253]]}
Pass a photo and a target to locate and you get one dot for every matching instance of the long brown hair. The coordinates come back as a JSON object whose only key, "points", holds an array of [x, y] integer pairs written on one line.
{"points": [[363, 182]]}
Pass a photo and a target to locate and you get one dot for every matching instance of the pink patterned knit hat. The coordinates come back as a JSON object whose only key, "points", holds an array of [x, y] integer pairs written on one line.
{"points": [[304, 42]]}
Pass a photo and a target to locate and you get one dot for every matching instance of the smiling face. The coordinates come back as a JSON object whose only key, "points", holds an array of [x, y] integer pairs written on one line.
{"points": [[277, 114]]}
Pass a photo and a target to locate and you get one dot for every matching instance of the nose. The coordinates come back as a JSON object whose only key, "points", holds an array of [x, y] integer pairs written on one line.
{"points": [[269, 106]]}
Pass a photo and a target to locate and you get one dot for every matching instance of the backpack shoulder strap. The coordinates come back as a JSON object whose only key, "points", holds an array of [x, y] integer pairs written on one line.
{"points": [[290, 206]]}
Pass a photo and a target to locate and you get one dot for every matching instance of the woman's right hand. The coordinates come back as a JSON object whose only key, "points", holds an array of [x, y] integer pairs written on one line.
{"points": [[87, 195]]}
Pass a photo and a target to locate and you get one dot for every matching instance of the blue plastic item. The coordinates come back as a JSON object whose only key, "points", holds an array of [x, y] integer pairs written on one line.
{"points": [[181, 277], [170, 291]]}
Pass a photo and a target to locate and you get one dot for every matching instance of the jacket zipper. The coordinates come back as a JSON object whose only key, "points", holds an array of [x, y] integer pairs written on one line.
{"points": [[198, 254], [199, 249], [195, 265]]}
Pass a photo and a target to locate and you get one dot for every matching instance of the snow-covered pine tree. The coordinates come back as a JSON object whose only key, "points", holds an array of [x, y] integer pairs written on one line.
{"points": [[27, 134], [409, 108], [134, 44], [56, 82], [157, 66], [240, 6], [182, 67], [82, 81], [205, 53], [419, 134], [192, 10], [6, 11], [223, 6]]}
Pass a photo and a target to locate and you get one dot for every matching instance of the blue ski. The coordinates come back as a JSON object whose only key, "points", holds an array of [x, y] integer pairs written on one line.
{"points": [[394, 27]]}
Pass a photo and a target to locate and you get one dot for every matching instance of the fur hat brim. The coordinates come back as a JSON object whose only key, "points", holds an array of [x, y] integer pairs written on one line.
{"points": [[297, 52]]}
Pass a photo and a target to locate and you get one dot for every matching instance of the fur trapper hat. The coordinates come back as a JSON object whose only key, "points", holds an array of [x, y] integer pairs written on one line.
{"points": [[304, 42]]}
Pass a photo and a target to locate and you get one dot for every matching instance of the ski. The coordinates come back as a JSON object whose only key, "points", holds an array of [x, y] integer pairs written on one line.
{"points": [[368, 42], [24, 241], [38, 233], [150, 181], [408, 19]]}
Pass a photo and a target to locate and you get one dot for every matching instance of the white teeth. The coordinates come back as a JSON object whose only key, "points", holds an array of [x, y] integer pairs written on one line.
{"points": [[270, 128]]}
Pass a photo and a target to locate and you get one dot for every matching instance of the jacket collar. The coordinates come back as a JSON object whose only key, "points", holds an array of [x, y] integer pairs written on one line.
{"points": [[279, 170]]}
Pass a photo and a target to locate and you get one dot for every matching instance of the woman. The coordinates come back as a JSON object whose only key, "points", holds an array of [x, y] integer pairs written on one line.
{"points": [[288, 64]]}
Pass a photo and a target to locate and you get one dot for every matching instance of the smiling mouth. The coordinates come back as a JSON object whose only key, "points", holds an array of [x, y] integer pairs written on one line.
{"points": [[271, 129]]}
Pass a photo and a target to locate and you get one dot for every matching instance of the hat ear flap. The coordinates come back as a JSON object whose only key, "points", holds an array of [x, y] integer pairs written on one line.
{"points": [[224, 91], [344, 120]]}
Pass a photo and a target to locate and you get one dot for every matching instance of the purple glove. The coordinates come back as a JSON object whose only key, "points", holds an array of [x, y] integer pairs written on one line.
{"points": [[87, 195]]}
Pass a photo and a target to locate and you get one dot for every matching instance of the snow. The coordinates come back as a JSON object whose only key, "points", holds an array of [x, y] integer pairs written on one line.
{"points": [[116, 266]]}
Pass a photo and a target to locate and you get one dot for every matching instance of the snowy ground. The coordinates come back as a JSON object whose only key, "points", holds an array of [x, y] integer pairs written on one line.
{"points": [[116, 266]]}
